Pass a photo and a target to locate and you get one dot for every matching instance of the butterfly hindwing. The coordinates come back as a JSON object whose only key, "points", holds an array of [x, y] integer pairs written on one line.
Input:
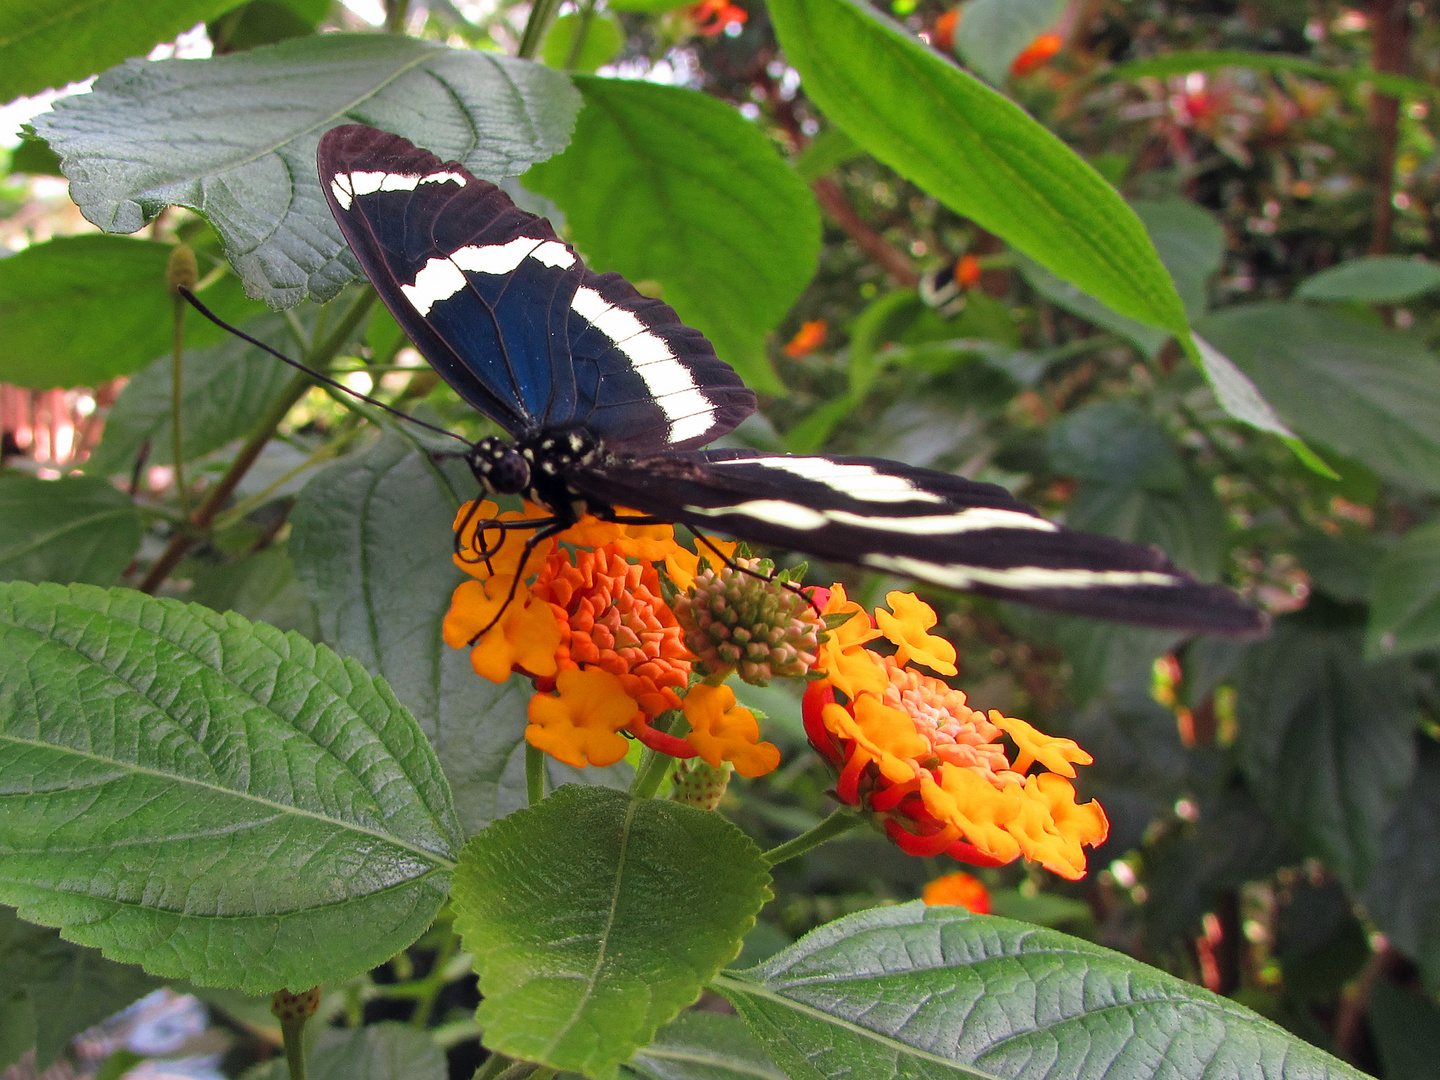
{"points": [[509, 315], [923, 524]]}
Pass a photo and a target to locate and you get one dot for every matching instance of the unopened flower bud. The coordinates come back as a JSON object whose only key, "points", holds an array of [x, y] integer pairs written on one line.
{"points": [[698, 784], [760, 627], [182, 270]]}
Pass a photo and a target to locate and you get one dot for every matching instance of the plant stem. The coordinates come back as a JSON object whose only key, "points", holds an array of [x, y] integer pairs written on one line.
{"points": [[541, 15], [587, 14], [841, 820], [434, 982], [177, 354], [318, 358], [293, 1034], [534, 774], [493, 1066], [651, 774]]}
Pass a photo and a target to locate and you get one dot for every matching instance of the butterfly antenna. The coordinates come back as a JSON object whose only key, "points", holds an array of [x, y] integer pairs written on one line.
{"points": [[194, 302], [555, 527]]}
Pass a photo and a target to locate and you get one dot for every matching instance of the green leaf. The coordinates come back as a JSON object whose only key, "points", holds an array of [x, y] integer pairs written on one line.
{"points": [[1063, 294], [384, 1051], [825, 153], [604, 38], [1043, 908], [207, 797], [45, 43], [1326, 740], [35, 157], [994, 32], [650, 7], [1405, 596], [1189, 241], [1185, 61], [234, 138], [1401, 894], [976, 151], [1372, 394], [62, 989], [1377, 279], [924, 993], [262, 587], [705, 1046], [1406, 1029], [263, 22], [78, 528], [1135, 485], [594, 919], [78, 310], [226, 389], [656, 174]]}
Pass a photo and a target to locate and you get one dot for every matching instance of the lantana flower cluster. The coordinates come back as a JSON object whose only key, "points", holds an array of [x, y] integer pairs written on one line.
{"points": [[622, 629]]}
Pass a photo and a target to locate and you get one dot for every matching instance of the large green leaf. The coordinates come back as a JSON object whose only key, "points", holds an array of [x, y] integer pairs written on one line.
{"points": [[1189, 241], [705, 1046], [78, 528], [1405, 596], [1372, 394], [45, 43], [78, 310], [994, 32], [261, 586], [371, 541], [1135, 486], [594, 919], [1401, 894], [226, 389], [935, 992], [64, 988], [384, 1051], [234, 137], [208, 797], [1377, 279], [656, 175], [1327, 740], [976, 151]]}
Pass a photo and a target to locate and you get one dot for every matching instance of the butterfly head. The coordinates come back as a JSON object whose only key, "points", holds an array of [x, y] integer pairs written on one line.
{"points": [[501, 467]]}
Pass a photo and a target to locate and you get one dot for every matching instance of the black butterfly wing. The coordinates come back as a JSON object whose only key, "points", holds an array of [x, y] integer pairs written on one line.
{"points": [[508, 314], [923, 524]]}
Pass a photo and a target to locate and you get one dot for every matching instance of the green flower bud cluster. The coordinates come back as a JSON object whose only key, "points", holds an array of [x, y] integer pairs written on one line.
{"points": [[698, 784], [758, 627]]}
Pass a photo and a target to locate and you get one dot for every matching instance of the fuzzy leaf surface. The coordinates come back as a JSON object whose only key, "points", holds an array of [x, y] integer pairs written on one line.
{"points": [[930, 993], [77, 528], [234, 137], [208, 797], [594, 919]]}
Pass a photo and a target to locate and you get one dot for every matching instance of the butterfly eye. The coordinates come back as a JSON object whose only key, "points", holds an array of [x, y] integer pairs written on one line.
{"points": [[499, 467]]}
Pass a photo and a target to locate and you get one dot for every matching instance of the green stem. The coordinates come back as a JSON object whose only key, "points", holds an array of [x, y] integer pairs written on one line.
{"points": [[433, 983], [587, 15], [654, 766], [840, 821], [177, 355], [542, 13], [215, 498], [395, 11], [534, 774], [493, 1066], [292, 1032]]}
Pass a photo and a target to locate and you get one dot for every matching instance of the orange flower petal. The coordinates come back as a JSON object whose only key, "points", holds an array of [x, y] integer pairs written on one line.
{"points": [[959, 890], [580, 725], [909, 628], [1033, 745], [722, 731]]}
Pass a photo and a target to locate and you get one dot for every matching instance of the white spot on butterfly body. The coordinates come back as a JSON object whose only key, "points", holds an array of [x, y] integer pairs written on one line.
{"points": [[669, 381], [1015, 577], [787, 515], [862, 482], [442, 277]]}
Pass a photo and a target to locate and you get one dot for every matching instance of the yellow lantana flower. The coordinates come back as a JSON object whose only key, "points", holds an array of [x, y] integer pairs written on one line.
{"points": [[581, 724], [722, 731]]}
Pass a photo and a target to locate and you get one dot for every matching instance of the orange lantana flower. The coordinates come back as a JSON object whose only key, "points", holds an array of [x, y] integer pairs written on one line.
{"points": [[1036, 54], [807, 339], [581, 725], [932, 769], [961, 890]]}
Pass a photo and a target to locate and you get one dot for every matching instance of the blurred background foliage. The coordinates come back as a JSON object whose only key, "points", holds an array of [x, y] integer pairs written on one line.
{"points": [[1275, 805]]}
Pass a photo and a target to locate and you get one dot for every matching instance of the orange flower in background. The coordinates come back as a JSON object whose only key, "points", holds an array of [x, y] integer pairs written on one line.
{"points": [[1036, 54], [933, 771], [944, 32], [968, 271], [711, 17], [960, 890], [807, 339]]}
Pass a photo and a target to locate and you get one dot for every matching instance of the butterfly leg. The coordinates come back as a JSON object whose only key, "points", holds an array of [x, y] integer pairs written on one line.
{"points": [[554, 528]]}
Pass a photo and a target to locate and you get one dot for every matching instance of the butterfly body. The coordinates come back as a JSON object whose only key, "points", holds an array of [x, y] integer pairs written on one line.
{"points": [[607, 397]]}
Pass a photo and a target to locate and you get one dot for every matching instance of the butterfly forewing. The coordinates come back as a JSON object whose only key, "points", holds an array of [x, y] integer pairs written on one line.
{"points": [[922, 524], [509, 315]]}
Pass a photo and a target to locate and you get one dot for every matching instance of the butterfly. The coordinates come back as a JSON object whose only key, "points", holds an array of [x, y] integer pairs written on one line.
{"points": [[607, 398]]}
